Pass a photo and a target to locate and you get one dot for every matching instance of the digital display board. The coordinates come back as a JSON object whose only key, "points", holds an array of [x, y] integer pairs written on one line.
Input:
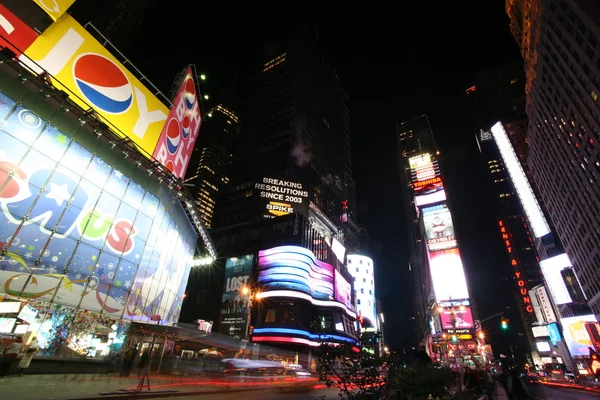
{"points": [[343, 290], [439, 228], [179, 134], [463, 318], [540, 331], [295, 268], [93, 77], [448, 275], [551, 268], [76, 230], [576, 334], [234, 303], [281, 197]]}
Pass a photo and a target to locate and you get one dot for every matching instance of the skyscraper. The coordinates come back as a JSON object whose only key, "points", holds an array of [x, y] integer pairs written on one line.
{"points": [[289, 204], [559, 42], [446, 316], [211, 159]]}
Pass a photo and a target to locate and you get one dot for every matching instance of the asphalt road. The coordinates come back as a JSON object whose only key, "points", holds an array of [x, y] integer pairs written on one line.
{"points": [[546, 392], [329, 394]]}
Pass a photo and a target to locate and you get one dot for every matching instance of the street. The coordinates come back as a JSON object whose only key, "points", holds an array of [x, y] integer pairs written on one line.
{"points": [[326, 394], [547, 392]]}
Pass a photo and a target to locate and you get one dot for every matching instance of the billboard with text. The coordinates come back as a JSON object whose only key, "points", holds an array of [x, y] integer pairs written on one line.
{"points": [[94, 78], [439, 229], [177, 139], [14, 33], [234, 303], [76, 230], [278, 197]]}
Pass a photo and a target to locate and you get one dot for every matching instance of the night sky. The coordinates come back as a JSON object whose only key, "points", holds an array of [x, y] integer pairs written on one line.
{"points": [[396, 63]]}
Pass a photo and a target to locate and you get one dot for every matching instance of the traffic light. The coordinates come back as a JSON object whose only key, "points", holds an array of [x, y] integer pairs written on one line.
{"points": [[454, 338], [504, 322]]}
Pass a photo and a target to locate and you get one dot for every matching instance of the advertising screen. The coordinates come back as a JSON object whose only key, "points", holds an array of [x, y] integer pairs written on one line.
{"points": [[554, 333], [551, 268], [234, 303], [462, 318], [576, 335], [543, 346], [94, 78], [281, 197], [77, 230], [439, 228], [343, 290], [448, 275], [425, 174], [179, 134], [295, 268], [431, 198], [519, 179], [54, 8], [540, 331], [15, 31]]}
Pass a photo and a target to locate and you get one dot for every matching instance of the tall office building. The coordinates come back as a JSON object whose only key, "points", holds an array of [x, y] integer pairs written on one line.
{"points": [[559, 42], [446, 315], [499, 95], [211, 159], [286, 219]]}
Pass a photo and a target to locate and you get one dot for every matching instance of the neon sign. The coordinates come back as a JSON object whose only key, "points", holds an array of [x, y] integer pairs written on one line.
{"points": [[518, 271]]}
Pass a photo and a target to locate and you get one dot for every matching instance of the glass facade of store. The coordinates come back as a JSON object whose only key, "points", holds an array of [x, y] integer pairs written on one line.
{"points": [[88, 240]]}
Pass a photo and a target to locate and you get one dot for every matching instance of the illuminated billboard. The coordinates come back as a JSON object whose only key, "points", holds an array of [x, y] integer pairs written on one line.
{"points": [[431, 198], [343, 290], [76, 230], [18, 33], [519, 275], [551, 268], [457, 318], [295, 268], [439, 229], [576, 334], [94, 78], [54, 8], [519, 179], [280, 197], [540, 331], [234, 303], [448, 275], [177, 139], [425, 173]]}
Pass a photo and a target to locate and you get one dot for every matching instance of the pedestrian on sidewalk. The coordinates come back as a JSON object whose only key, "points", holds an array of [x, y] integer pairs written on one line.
{"points": [[10, 355], [30, 351]]}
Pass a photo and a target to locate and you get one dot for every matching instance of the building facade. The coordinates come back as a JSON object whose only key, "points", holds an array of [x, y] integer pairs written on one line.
{"points": [[287, 218], [362, 270], [446, 314], [211, 159], [559, 42]]}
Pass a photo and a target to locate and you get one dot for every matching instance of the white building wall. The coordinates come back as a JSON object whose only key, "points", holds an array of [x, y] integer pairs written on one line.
{"points": [[362, 269]]}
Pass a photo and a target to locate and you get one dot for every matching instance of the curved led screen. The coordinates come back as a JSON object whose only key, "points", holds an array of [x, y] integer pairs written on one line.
{"points": [[295, 268], [77, 231]]}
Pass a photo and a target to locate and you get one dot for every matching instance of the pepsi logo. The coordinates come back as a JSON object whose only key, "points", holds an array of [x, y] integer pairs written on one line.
{"points": [[189, 93], [103, 83], [185, 127], [29, 119], [173, 136]]}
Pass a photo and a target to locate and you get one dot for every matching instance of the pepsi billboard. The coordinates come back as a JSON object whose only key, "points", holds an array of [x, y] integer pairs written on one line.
{"points": [[82, 67], [177, 138], [78, 231]]}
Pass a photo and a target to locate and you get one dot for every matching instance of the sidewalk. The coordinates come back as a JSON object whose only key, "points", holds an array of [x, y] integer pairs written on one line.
{"points": [[76, 386]]}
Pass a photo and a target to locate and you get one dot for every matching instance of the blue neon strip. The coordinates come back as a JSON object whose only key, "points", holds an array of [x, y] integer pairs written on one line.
{"points": [[304, 333]]}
